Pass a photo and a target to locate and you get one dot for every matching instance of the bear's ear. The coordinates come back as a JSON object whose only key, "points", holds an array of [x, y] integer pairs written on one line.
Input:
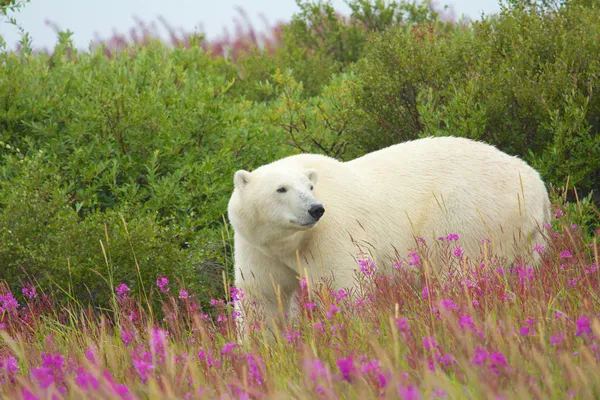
{"points": [[312, 175], [241, 178]]}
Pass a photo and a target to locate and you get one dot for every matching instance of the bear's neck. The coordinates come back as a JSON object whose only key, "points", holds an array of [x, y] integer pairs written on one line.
{"points": [[283, 248]]}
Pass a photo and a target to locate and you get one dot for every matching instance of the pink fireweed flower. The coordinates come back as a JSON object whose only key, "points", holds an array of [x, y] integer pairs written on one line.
{"points": [[452, 236], [310, 306], [315, 368], [291, 336], [402, 324], [430, 343], [255, 365], [346, 367], [127, 336], [229, 348], [340, 294], [421, 240], [332, 311], [480, 357], [143, 365], [367, 267], [583, 326], [556, 339], [122, 290], [497, 362], [29, 292], [158, 340], [9, 303], [86, 380], [558, 213], [162, 283], [449, 305], [415, 260], [458, 252], [409, 392], [565, 254], [538, 248], [236, 293]]}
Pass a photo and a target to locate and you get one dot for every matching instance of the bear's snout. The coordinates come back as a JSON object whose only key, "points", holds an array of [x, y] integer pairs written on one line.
{"points": [[316, 211]]}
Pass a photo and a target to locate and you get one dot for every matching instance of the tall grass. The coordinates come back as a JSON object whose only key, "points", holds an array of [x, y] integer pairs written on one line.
{"points": [[520, 331]]}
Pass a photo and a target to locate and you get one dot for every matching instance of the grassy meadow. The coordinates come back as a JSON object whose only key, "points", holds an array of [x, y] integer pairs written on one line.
{"points": [[117, 162]]}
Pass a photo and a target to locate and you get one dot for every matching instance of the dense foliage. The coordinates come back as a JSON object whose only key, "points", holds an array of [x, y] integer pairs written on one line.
{"points": [[116, 164]]}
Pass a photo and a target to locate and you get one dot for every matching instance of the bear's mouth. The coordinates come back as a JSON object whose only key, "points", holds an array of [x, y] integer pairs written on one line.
{"points": [[309, 224]]}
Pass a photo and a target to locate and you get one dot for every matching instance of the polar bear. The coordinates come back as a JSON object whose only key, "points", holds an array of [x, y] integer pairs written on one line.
{"points": [[313, 214]]}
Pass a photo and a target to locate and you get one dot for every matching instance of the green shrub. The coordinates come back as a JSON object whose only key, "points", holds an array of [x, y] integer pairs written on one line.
{"points": [[526, 80]]}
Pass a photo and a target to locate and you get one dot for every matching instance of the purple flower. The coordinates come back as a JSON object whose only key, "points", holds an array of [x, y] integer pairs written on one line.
{"points": [[466, 321], [425, 292], [458, 252], [558, 213], [183, 294], [497, 361], [122, 290], [538, 248], [565, 254], [143, 365], [310, 306], [332, 310], [236, 293], [255, 364], [127, 336], [229, 348], [409, 393], [346, 366], [583, 326], [479, 357], [28, 292], [452, 236], [9, 303], [556, 339], [86, 379], [340, 294], [43, 376], [9, 365], [162, 283], [449, 305], [402, 324], [430, 343], [291, 336], [367, 267], [414, 260]]}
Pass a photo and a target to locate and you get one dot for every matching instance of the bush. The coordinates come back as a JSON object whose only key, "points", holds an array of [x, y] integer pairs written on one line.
{"points": [[525, 80]]}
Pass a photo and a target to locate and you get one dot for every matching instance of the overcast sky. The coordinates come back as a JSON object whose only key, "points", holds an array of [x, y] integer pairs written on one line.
{"points": [[88, 18]]}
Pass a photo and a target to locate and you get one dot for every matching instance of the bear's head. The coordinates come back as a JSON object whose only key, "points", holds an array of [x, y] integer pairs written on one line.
{"points": [[269, 203]]}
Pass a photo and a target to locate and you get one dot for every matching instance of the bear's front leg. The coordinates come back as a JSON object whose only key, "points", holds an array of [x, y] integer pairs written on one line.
{"points": [[268, 288]]}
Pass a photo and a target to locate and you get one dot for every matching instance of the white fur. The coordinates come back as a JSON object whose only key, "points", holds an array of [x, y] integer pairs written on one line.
{"points": [[378, 204]]}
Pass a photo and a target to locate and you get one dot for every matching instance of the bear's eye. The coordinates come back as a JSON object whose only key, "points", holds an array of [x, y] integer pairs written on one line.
{"points": [[282, 190], [311, 187]]}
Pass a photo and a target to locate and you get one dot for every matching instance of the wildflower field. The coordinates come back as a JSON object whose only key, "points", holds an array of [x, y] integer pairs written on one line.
{"points": [[117, 162]]}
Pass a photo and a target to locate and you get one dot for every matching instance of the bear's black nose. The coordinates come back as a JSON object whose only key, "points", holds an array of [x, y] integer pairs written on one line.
{"points": [[316, 211]]}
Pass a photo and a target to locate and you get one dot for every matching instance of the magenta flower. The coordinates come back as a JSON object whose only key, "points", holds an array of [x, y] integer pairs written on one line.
{"points": [[347, 368], [86, 380], [452, 236], [558, 213], [229, 348], [127, 336], [538, 248], [556, 339], [430, 343], [402, 324], [497, 361], [480, 356], [565, 254], [425, 292], [449, 305], [183, 294], [9, 364], [367, 267], [340, 294], [162, 283], [409, 393], [255, 364], [9, 303], [458, 252], [414, 260], [236, 294], [122, 290], [583, 326], [29, 292], [143, 365]]}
